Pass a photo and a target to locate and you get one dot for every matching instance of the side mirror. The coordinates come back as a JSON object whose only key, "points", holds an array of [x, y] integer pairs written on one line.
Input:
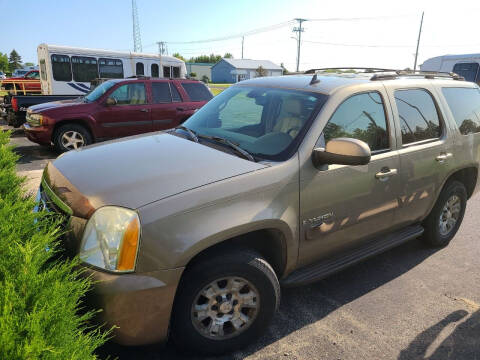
{"points": [[342, 151], [111, 101]]}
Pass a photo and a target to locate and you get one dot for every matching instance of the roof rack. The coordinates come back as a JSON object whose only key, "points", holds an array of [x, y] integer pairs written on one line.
{"points": [[365, 69], [417, 73]]}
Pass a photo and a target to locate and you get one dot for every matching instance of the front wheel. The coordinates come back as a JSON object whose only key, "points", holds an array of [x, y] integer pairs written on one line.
{"points": [[225, 303], [71, 137], [444, 220]]}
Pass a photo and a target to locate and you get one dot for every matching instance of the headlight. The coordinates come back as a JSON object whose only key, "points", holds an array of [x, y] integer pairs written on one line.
{"points": [[34, 119], [110, 239]]}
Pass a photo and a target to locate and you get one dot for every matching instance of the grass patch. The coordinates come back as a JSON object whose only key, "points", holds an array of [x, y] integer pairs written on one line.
{"points": [[39, 296]]}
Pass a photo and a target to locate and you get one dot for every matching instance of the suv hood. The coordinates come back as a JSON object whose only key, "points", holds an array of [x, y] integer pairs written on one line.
{"points": [[135, 171], [55, 105]]}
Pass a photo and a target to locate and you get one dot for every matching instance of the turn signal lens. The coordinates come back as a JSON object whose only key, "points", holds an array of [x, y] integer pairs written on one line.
{"points": [[128, 250]]}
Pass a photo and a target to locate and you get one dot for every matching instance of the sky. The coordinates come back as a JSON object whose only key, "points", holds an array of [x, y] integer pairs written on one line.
{"points": [[334, 36]]}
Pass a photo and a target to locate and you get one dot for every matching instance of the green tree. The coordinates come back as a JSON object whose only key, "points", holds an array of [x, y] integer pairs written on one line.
{"points": [[193, 74], [261, 72], [228, 56], [4, 62], [14, 61], [29, 64], [212, 58], [178, 56]]}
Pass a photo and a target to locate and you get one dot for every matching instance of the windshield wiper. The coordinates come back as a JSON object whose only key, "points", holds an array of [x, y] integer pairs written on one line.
{"points": [[190, 132], [234, 146]]}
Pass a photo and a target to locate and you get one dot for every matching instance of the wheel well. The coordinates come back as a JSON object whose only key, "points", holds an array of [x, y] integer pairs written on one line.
{"points": [[468, 177], [270, 243], [73, 121]]}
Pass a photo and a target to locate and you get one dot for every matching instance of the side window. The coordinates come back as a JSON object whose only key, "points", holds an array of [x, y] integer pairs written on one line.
{"points": [[154, 70], [61, 68], [84, 68], [175, 94], [360, 117], [33, 75], [468, 70], [161, 92], [43, 69], [176, 71], [465, 106], [166, 72], [110, 68], [197, 91], [130, 94], [139, 69], [418, 115]]}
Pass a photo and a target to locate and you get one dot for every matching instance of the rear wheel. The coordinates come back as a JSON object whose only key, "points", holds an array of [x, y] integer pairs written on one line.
{"points": [[71, 137], [224, 303], [446, 216]]}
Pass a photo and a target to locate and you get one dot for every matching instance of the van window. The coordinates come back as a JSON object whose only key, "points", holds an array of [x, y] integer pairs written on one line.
{"points": [[468, 70], [43, 69], [140, 70], [161, 92], [166, 71], [465, 106], [130, 94], [197, 91], [418, 115], [110, 68], [61, 68], [154, 70], [175, 94], [176, 71], [360, 117], [84, 68]]}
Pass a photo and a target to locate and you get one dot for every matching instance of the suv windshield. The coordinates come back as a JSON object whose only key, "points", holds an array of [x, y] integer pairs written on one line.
{"points": [[98, 91], [266, 122]]}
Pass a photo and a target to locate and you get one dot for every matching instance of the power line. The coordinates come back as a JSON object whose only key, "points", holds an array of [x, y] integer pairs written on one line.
{"points": [[361, 18], [357, 45]]}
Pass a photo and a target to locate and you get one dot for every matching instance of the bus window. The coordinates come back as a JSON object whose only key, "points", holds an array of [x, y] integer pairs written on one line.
{"points": [[110, 68], [154, 70], [140, 70], [166, 71], [176, 71], [43, 70], [467, 70], [84, 68], [61, 68]]}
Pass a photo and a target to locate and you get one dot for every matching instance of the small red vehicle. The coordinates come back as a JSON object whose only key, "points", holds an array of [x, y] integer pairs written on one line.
{"points": [[26, 84], [116, 108]]}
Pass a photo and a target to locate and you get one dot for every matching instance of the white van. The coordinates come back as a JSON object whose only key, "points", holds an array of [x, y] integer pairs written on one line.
{"points": [[466, 65], [68, 70]]}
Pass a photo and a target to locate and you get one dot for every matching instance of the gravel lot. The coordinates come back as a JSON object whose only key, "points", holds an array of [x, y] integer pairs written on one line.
{"points": [[409, 303]]}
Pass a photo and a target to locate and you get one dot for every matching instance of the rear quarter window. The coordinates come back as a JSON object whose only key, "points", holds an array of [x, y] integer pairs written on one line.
{"points": [[465, 106], [197, 91]]}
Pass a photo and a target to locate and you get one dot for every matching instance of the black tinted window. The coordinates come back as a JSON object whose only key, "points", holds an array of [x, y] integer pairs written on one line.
{"points": [[175, 94], [467, 70], [197, 91], [161, 92], [465, 106], [140, 69], [418, 115], [110, 68], [361, 117], [166, 71], [84, 68], [61, 68], [176, 71], [154, 70]]}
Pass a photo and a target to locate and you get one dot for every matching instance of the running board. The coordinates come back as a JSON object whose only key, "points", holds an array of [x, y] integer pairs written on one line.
{"points": [[322, 269]]}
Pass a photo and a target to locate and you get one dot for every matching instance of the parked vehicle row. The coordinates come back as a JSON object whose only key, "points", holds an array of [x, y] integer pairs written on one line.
{"points": [[116, 108], [274, 181]]}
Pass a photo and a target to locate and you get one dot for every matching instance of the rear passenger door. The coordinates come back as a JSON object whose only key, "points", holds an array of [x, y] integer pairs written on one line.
{"points": [[166, 102], [425, 150]]}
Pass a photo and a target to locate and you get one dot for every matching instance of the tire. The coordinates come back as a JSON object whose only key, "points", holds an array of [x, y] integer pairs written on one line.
{"points": [[77, 133], [438, 232], [234, 269]]}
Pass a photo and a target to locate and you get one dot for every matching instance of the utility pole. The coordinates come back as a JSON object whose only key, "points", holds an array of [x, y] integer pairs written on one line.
{"points": [[243, 39], [299, 30], [137, 40], [418, 43], [161, 48]]}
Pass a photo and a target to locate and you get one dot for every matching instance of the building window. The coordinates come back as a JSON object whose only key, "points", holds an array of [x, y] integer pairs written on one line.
{"points": [[465, 106], [61, 68], [140, 71], [418, 115], [84, 68], [110, 68], [154, 70]]}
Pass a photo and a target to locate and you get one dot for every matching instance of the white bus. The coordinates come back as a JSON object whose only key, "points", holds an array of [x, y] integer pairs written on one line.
{"points": [[68, 70], [466, 65]]}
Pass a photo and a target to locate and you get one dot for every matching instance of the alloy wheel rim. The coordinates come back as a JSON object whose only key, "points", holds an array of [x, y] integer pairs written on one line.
{"points": [[72, 140], [225, 308], [449, 215]]}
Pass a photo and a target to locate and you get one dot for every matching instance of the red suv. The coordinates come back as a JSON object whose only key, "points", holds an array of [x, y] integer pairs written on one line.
{"points": [[116, 108]]}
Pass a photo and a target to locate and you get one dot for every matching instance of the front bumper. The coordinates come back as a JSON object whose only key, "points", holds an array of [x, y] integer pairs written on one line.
{"points": [[40, 135], [139, 305]]}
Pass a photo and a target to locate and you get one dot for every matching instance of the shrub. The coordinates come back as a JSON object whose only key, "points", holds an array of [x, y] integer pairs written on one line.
{"points": [[39, 296]]}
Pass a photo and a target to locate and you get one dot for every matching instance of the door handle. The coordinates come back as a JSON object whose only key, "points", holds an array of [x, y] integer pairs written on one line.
{"points": [[144, 110], [385, 173], [442, 157]]}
